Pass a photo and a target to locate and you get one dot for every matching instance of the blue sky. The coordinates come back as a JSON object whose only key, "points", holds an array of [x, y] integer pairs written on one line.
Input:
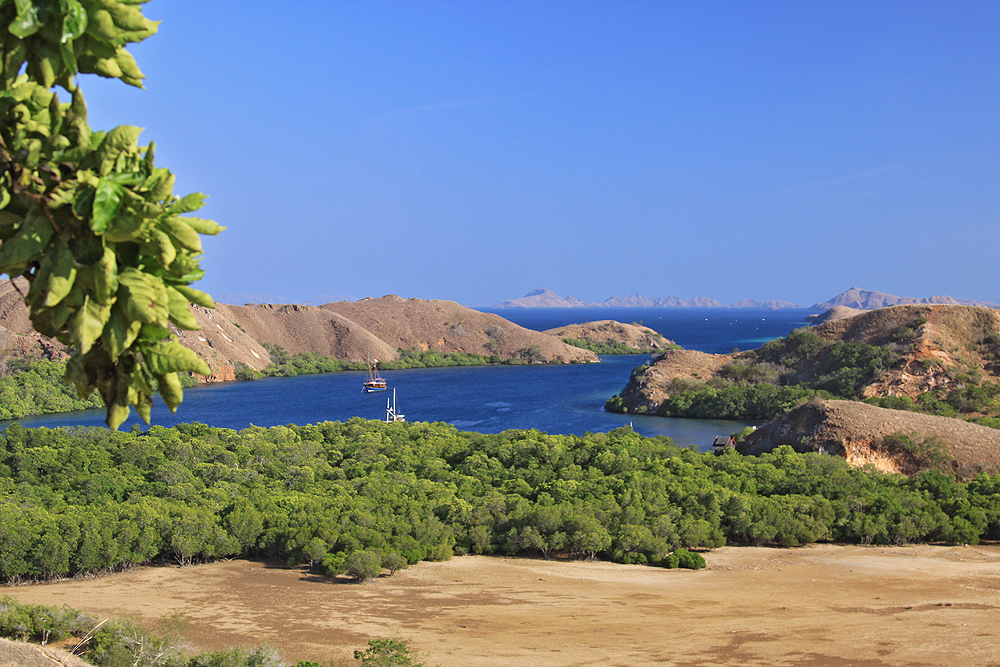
{"points": [[477, 150]]}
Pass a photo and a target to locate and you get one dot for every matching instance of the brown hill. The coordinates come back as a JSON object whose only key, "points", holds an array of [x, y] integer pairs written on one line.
{"points": [[864, 434], [234, 334], [935, 348], [636, 336], [368, 329], [445, 326]]}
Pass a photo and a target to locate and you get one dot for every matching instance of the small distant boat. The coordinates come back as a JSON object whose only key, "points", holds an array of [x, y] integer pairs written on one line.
{"points": [[391, 416], [374, 381]]}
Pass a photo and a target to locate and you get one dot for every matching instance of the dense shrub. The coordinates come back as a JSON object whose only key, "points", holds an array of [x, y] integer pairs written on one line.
{"points": [[88, 500]]}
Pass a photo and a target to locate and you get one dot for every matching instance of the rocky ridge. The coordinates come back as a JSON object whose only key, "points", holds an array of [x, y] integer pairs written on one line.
{"points": [[864, 434]]}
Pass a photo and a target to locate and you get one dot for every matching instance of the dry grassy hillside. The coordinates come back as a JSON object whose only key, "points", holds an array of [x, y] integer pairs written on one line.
{"points": [[863, 434], [445, 326], [353, 332]]}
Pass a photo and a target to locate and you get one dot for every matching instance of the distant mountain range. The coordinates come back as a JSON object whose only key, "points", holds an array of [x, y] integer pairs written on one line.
{"points": [[855, 297], [863, 299], [544, 298]]}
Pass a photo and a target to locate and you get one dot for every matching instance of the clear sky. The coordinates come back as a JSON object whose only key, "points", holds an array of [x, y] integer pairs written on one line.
{"points": [[474, 151]]}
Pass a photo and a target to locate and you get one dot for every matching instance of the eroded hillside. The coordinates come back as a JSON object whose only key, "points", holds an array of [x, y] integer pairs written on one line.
{"points": [[890, 440]]}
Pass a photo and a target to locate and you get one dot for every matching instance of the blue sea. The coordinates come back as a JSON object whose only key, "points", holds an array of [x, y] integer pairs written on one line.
{"points": [[565, 399]]}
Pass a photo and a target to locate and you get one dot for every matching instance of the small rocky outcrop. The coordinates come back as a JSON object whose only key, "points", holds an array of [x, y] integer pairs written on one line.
{"points": [[635, 336], [865, 434], [832, 315], [650, 385]]}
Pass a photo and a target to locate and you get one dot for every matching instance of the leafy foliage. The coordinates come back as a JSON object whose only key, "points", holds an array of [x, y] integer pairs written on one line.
{"points": [[86, 217], [364, 496]]}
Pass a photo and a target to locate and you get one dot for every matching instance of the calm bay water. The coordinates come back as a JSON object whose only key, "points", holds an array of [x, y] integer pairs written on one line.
{"points": [[556, 399]]}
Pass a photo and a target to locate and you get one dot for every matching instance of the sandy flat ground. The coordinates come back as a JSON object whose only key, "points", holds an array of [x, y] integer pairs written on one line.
{"points": [[816, 606]]}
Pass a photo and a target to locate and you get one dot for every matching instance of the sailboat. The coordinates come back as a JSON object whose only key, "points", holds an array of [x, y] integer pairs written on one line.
{"points": [[374, 381], [391, 415]]}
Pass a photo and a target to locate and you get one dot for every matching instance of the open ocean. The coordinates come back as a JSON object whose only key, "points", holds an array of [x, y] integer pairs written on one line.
{"points": [[566, 399]]}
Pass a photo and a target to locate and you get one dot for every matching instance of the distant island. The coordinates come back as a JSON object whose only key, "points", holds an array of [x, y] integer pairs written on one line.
{"points": [[855, 298], [862, 299], [545, 298]]}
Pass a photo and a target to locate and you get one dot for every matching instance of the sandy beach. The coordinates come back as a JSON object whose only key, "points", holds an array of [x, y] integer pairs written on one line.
{"points": [[818, 605]]}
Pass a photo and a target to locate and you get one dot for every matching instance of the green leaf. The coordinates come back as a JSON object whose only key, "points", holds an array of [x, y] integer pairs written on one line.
{"points": [[180, 312], [170, 390], [107, 200], [88, 324], [130, 70], [119, 333], [143, 405], [63, 274], [50, 321], [183, 233], [126, 177], [26, 23], [196, 296], [202, 226], [68, 55], [170, 357], [151, 333], [188, 203], [125, 227], [164, 247], [117, 414], [117, 140], [145, 296], [27, 244], [104, 276], [74, 20]]}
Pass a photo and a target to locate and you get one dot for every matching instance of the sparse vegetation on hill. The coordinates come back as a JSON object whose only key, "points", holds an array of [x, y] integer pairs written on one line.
{"points": [[611, 337], [933, 359]]}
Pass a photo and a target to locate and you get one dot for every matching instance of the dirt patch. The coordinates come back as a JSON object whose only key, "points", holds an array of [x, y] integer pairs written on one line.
{"points": [[819, 605]]}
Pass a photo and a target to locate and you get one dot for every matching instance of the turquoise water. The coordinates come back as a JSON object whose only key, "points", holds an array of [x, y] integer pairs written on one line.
{"points": [[565, 399]]}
